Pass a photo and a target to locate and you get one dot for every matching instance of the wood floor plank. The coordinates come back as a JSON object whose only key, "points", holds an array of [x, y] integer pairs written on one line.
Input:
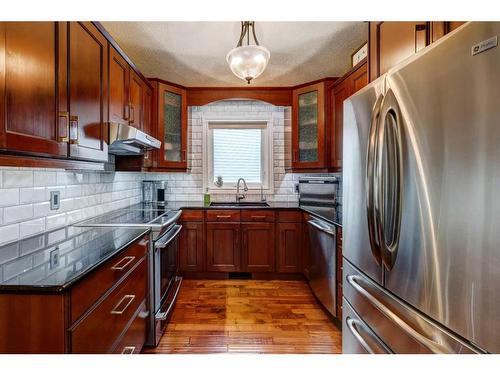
{"points": [[248, 316]]}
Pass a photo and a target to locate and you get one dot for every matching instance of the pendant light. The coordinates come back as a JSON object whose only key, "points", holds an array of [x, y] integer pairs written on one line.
{"points": [[248, 62]]}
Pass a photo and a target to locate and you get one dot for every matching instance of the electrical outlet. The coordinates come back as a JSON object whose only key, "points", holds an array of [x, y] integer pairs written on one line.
{"points": [[54, 258], [55, 201], [297, 188]]}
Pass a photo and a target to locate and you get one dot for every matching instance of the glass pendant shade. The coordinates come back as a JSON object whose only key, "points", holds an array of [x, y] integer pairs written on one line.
{"points": [[250, 61]]}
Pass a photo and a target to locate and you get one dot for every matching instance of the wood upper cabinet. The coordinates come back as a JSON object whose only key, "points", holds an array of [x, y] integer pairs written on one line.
{"points": [[392, 42], [223, 247], [88, 86], [441, 28], [171, 126], [348, 85], [33, 113], [308, 127], [136, 95], [257, 250], [118, 88], [289, 242], [147, 122], [192, 247]]}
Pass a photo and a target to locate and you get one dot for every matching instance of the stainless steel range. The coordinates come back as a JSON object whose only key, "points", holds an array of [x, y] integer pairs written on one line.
{"points": [[164, 281]]}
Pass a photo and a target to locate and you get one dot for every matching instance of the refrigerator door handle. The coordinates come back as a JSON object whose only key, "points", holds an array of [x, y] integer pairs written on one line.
{"points": [[370, 171], [388, 185], [435, 347], [354, 326]]}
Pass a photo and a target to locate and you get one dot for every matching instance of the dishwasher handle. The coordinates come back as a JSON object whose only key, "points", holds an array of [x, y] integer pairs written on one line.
{"points": [[322, 226]]}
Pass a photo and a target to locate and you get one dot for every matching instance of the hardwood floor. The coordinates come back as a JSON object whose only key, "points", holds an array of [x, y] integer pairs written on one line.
{"points": [[248, 316]]}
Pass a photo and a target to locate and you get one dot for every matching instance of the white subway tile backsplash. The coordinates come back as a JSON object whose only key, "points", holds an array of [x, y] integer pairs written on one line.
{"points": [[9, 233], [28, 228], [32, 195], [9, 197], [17, 178], [17, 213], [56, 221]]}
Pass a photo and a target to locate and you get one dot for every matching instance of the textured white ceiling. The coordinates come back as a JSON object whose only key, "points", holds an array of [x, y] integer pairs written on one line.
{"points": [[194, 53]]}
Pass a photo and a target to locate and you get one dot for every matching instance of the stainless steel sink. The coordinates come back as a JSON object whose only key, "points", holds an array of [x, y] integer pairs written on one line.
{"points": [[239, 204]]}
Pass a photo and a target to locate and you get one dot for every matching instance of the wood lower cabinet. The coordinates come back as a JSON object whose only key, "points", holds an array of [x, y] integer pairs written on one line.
{"points": [[33, 113], [192, 247], [103, 312], [348, 85], [257, 252], [88, 86], [288, 247], [223, 247]]}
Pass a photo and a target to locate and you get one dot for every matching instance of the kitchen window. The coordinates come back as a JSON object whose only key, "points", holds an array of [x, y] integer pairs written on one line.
{"points": [[238, 149]]}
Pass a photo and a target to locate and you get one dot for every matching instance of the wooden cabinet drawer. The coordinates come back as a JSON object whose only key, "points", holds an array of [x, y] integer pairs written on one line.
{"points": [[223, 215], [89, 290], [134, 337], [192, 215], [97, 332], [288, 216], [258, 215]]}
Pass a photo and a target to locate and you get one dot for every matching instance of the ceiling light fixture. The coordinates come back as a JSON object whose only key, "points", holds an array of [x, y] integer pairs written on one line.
{"points": [[248, 62]]}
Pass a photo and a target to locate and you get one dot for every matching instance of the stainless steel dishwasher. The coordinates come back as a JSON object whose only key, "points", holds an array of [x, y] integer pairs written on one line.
{"points": [[322, 272], [318, 196]]}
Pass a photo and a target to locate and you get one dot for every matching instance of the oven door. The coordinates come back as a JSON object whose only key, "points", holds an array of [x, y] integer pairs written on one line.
{"points": [[165, 263]]}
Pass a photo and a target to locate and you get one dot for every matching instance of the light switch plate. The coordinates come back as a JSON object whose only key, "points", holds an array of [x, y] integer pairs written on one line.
{"points": [[55, 201]]}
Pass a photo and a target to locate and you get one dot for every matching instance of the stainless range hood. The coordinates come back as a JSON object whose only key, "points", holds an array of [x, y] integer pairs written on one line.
{"points": [[127, 140]]}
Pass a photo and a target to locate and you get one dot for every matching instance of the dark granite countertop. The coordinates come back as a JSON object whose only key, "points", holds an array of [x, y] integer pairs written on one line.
{"points": [[26, 266], [330, 214], [200, 205]]}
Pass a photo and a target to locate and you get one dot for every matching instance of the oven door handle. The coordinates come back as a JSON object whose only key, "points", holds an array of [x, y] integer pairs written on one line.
{"points": [[164, 315], [163, 241]]}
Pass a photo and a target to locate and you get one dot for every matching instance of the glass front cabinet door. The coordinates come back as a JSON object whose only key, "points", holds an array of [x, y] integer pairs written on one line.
{"points": [[172, 127], [308, 127]]}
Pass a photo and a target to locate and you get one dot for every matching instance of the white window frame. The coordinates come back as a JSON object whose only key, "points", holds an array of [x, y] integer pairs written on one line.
{"points": [[209, 123]]}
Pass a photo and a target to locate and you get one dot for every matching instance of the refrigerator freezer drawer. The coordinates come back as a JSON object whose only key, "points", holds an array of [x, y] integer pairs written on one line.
{"points": [[399, 326], [357, 337]]}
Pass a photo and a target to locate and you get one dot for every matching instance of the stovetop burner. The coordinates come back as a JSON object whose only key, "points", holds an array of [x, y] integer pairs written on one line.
{"points": [[141, 215]]}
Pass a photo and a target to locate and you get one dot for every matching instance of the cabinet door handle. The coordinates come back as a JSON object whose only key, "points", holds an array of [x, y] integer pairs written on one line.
{"points": [[118, 266], [126, 112], [294, 155], [184, 155], [128, 350], [65, 115], [74, 120], [129, 298], [132, 114]]}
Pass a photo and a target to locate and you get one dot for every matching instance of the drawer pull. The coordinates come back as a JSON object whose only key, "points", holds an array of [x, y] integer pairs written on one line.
{"points": [[223, 216], [128, 350], [129, 297], [258, 217], [127, 260]]}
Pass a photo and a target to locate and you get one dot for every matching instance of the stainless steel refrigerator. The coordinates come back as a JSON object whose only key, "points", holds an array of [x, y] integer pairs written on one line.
{"points": [[421, 202]]}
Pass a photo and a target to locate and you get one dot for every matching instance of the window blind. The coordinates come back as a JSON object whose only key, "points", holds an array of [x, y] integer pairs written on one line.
{"points": [[237, 153]]}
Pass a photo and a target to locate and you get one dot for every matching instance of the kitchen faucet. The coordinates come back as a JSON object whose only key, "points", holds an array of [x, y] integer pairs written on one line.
{"points": [[239, 196]]}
